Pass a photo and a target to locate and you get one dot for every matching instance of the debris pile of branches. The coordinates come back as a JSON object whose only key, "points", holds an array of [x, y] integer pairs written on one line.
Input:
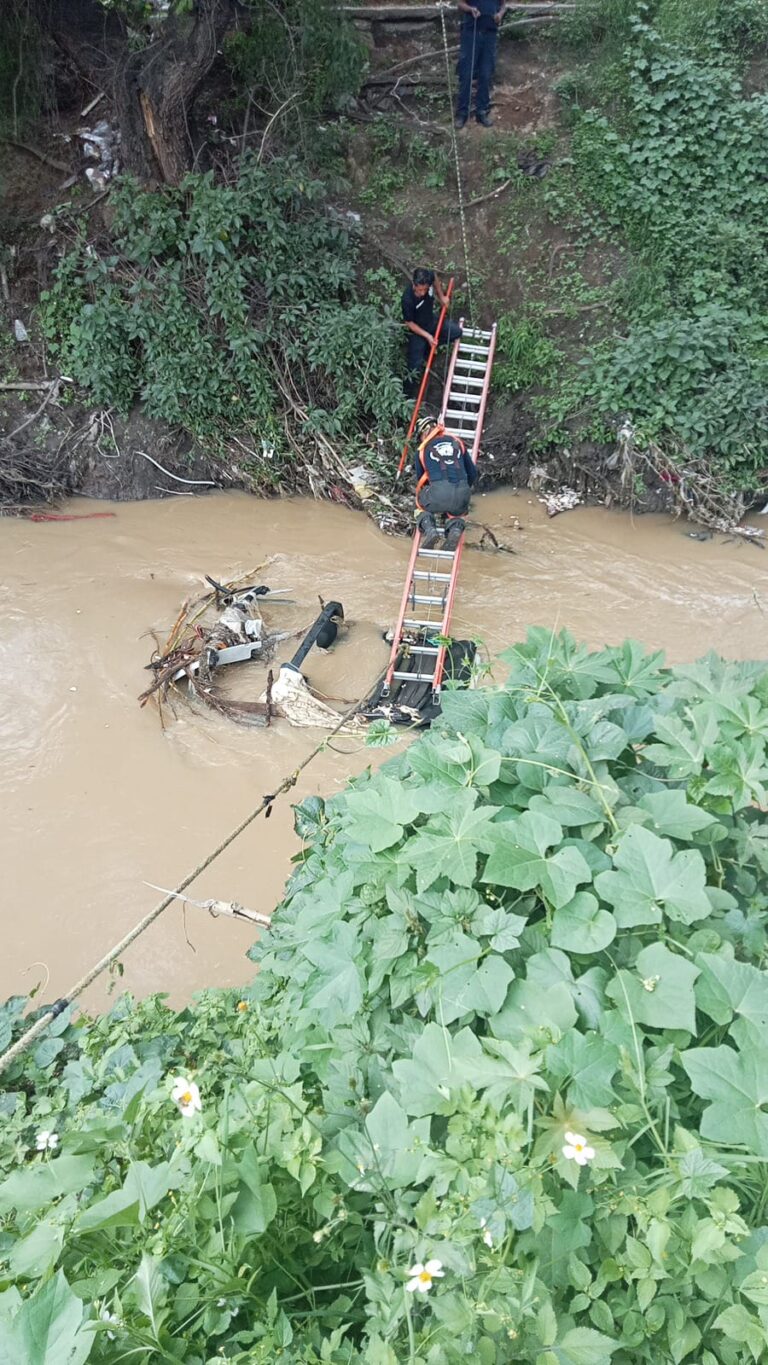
{"points": [[30, 476], [693, 487], [190, 654]]}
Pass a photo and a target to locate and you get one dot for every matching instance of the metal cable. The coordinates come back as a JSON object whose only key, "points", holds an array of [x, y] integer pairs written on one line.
{"points": [[442, 7], [41, 1024]]}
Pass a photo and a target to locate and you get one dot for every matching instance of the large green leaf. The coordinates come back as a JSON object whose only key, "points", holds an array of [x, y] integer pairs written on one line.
{"points": [[520, 858], [49, 1327], [37, 1185], [335, 989], [463, 986], [588, 1063], [737, 1085], [448, 844], [38, 1252], [389, 1149], [380, 812], [652, 879], [583, 1346], [660, 991], [672, 814], [581, 926], [727, 987]]}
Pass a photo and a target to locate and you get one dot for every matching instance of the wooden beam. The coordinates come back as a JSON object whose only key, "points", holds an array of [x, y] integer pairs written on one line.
{"points": [[418, 13]]}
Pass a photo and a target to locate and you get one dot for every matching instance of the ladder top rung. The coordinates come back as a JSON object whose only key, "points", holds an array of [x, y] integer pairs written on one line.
{"points": [[413, 677], [432, 573], [474, 332]]}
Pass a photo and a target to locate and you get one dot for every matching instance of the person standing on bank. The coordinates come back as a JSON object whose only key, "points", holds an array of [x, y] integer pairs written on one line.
{"points": [[419, 317], [480, 21]]}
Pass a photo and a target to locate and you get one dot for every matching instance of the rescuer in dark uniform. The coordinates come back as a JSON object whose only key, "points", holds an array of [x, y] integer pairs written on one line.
{"points": [[445, 472], [419, 317], [480, 21]]}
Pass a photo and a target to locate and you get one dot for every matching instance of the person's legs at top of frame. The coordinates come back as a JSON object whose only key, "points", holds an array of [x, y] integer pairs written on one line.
{"points": [[480, 20], [485, 67]]}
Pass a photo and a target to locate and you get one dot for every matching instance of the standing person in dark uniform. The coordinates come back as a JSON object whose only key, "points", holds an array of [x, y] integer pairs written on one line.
{"points": [[445, 472], [477, 56], [419, 317]]}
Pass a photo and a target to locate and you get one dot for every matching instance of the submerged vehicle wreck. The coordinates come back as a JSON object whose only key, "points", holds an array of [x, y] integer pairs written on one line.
{"points": [[227, 625], [196, 651]]}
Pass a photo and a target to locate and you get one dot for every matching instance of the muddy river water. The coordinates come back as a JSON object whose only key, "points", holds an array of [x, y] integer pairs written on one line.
{"points": [[98, 800]]}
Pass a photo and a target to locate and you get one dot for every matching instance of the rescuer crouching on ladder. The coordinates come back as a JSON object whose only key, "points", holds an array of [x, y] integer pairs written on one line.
{"points": [[445, 473]]}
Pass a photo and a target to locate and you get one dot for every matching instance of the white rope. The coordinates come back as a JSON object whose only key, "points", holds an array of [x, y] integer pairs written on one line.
{"points": [[442, 7]]}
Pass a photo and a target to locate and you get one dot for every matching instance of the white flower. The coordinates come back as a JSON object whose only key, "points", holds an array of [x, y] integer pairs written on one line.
{"points": [[47, 1142], [186, 1094], [487, 1236], [106, 1316], [423, 1275], [577, 1149]]}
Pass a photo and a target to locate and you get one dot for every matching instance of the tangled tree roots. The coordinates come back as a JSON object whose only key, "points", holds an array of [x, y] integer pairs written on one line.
{"points": [[695, 489], [29, 476]]}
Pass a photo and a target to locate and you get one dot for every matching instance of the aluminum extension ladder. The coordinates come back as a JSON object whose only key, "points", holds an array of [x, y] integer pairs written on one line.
{"points": [[421, 633]]}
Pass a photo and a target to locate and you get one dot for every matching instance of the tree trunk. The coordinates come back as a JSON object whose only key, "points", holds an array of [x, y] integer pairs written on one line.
{"points": [[153, 88]]}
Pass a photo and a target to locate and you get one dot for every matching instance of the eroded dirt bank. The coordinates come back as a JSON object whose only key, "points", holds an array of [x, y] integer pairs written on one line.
{"points": [[98, 800]]}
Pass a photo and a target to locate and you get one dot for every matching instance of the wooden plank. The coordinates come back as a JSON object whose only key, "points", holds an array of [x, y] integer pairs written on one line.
{"points": [[416, 13]]}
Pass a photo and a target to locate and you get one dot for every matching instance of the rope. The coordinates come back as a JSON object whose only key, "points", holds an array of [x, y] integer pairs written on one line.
{"points": [[41, 1024], [442, 7]]}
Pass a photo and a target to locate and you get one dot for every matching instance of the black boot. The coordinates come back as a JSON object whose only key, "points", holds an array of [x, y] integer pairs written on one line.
{"points": [[456, 528], [485, 120], [429, 532]]}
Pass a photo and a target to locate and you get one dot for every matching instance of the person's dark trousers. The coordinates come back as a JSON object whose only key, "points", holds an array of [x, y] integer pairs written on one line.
{"points": [[417, 353], [480, 46]]}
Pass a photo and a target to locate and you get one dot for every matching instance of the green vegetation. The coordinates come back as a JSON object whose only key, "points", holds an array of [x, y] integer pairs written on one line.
{"points": [[510, 1018], [658, 182], [527, 356], [230, 309]]}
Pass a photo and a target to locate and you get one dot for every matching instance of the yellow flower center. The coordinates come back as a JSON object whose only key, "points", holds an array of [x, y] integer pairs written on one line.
{"points": [[579, 1146], [425, 1277], [186, 1098], [242, 1006]]}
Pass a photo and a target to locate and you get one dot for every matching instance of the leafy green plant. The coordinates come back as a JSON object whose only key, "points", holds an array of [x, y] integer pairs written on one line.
{"points": [[228, 309], [496, 1092], [527, 357], [675, 166]]}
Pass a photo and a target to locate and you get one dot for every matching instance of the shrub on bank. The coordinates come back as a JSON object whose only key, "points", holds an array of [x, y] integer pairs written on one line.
{"points": [[231, 310], [496, 1092]]}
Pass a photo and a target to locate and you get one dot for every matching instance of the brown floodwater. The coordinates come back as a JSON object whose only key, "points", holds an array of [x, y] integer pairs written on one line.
{"points": [[99, 800]]}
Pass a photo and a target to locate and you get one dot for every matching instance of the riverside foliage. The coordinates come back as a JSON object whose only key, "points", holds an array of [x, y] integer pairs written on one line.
{"points": [[230, 309], [497, 1091]]}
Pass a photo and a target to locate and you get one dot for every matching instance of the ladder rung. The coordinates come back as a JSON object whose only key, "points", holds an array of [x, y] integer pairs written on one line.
{"points": [[473, 350], [413, 677], [474, 332], [422, 600], [440, 554], [467, 379], [466, 400], [432, 573], [421, 649], [475, 365], [414, 622]]}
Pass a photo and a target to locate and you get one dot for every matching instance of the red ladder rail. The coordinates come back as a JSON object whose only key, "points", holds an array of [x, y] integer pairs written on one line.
{"points": [[425, 378]]}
